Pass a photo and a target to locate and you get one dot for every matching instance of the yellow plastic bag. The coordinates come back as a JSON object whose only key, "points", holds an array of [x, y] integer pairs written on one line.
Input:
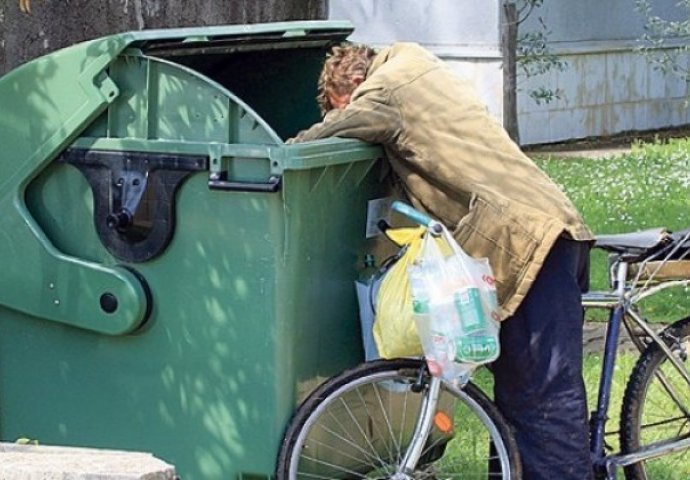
{"points": [[395, 332]]}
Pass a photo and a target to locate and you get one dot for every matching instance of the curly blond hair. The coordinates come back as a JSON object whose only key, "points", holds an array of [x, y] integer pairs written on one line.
{"points": [[344, 62]]}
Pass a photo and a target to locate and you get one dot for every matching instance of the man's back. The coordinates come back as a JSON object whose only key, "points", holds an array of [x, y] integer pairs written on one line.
{"points": [[458, 163]]}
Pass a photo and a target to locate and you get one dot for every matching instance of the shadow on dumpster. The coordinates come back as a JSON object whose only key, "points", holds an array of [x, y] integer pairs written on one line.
{"points": [[252, 298]]}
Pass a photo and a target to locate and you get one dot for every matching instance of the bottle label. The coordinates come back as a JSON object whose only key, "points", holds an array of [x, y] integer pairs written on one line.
{"points": [[468, 304], [476, 349]]}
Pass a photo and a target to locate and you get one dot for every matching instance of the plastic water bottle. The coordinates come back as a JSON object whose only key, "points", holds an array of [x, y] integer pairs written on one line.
{"points": [[468, 304], [444, 327], [479, 342], [438, 347], [420, 303], [368, 272]]}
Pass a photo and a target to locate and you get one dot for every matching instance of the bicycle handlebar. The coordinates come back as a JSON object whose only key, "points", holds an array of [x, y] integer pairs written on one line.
{"points": [[417, 216]]}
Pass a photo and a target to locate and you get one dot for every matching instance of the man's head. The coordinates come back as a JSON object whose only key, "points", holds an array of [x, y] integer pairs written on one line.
{"points": [[345, 68]]}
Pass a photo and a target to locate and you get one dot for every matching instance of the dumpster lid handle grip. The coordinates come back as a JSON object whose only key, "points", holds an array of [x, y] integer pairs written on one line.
{"points": [[272, 185]]}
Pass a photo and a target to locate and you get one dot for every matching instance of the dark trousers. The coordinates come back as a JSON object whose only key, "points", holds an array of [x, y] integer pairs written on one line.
{"points": [[538, 377]]}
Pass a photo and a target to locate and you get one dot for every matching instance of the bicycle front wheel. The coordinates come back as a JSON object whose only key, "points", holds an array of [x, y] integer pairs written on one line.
{"points": [[359, 424], [656, 409]]}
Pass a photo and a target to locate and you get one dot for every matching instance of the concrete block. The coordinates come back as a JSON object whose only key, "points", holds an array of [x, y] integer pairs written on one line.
{"points": [[30, 462]]}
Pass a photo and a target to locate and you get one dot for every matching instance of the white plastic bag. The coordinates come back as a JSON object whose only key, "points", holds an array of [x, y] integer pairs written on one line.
{"points": [[455, 307], [366, 293]]}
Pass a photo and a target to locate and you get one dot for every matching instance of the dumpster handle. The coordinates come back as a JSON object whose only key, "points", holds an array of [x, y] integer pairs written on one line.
{"points": [[271, 186]]}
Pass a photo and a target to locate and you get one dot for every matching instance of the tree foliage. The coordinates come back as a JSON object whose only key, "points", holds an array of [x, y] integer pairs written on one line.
{"points": [[665, 42], [534, 56]]}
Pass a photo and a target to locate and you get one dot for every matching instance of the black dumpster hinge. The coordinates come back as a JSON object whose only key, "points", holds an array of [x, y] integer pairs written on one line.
{"points": [[134, 197]]}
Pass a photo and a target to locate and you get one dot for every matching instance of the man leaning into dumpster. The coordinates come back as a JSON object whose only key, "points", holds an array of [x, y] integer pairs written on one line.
{"points": [[458, 164]]}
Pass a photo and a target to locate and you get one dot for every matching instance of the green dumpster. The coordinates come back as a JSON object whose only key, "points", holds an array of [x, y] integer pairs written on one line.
{"points": [[175, 278]]}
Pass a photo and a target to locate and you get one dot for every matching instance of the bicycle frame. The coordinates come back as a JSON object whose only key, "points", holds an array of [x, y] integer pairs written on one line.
{"points": [[621, 304], [421, 432], [425, 419]]}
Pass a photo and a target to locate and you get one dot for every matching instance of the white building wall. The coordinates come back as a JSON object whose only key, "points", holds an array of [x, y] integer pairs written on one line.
{"points": [[607, 88], [465, 36], [604, 91]]}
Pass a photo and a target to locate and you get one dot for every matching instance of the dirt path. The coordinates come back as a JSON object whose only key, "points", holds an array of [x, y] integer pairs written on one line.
{"points": [[604, 147], [595, 335]]}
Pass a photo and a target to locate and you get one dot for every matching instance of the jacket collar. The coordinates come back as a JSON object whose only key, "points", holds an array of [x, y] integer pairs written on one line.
{"points": [[380, 58]]}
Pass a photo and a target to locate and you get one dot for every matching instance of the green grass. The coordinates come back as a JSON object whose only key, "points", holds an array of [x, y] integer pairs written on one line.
{"points": [[647, 188], [661, 469], [650, 187], [674, 467]]}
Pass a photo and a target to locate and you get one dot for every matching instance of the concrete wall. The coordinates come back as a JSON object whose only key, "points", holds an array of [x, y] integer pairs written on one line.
{"points": [[441, 23], [597, 20], [54, 24], [466, 36], [608, 87]]}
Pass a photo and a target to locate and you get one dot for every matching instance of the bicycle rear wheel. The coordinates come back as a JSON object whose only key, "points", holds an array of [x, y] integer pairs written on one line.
{"points": [[359, 424], [656, 408]]}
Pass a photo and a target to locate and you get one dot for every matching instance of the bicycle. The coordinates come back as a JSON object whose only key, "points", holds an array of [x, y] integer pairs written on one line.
{"points": [[477, 441], [392, 419], [642, 264]]}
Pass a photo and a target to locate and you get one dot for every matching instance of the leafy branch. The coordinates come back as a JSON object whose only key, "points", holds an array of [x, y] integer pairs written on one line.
{"points": [[534, 57], [657, 34]]}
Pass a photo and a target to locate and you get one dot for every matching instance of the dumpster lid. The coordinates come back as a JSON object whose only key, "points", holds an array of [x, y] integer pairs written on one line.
{"points": [[231, 38], [47, 102]]}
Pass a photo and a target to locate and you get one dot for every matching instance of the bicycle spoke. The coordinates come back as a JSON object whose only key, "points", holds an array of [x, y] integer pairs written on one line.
{"points": [[384, 414], [375, 431], [340, 451], [675, 396], [332, 466], [366, 437], [363, 430], [656, 409], [665, 422]]}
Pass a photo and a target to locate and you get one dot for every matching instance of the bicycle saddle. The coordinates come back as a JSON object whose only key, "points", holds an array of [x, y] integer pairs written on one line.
{"points": [[682, 236], [635, 244]]}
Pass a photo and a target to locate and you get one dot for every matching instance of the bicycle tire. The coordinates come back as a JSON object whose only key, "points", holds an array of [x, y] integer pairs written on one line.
{"points": [[367, 442], [645, 397]]}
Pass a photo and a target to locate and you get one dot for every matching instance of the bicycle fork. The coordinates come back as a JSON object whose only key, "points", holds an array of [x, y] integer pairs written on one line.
{"points": [[606, 465], [421, 430]]}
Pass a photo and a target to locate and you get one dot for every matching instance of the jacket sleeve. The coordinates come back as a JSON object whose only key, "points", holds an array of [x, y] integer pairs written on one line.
{"points": [[370, 117]]}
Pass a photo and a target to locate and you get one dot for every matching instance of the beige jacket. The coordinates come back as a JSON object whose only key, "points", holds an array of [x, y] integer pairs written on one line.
{"points": [[458, 164]]}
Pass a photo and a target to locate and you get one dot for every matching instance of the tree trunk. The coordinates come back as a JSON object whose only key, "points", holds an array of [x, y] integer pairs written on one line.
{"points": [[509, 33], [55, 24]]}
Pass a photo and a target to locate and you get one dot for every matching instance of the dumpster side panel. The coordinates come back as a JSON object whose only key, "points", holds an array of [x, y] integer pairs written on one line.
{"points": [[197, 385], [252, 299], [61, 201], [253, 306]]}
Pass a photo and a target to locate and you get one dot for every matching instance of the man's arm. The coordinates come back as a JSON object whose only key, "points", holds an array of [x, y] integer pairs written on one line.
{"points": [[370, 117]]}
